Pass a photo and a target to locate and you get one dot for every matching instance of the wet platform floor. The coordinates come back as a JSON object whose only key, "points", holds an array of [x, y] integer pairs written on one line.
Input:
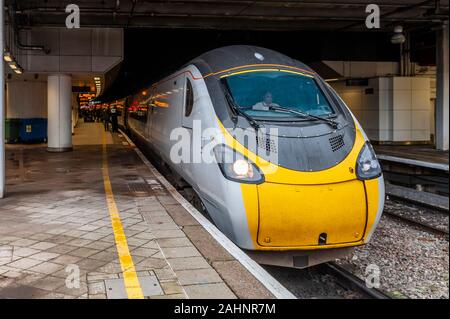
{"points": [[63, 235]]}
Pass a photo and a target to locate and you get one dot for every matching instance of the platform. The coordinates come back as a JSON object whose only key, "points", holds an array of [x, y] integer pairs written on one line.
{"points": [[417, 155], [97, 223]]}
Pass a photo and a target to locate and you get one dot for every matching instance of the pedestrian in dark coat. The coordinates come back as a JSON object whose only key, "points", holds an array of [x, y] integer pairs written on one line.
{"points": [[114, 120], [106, 118]]}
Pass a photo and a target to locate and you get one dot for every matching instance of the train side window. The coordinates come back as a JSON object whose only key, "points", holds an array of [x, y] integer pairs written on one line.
{"points": [[189, 103]]}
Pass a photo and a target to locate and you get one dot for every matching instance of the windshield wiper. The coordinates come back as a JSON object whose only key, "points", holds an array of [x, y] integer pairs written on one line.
{"points": [[237, 109], [331, 122]]}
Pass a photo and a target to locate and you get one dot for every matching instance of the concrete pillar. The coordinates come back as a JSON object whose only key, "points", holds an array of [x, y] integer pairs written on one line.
{"points": [[59, 99], [442, 83], [2, 103]]}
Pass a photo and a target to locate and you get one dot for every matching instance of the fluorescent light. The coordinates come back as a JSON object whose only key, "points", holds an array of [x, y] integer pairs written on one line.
{"points": [[97, 78], [18, 71], [13, 65], [7, 56]]}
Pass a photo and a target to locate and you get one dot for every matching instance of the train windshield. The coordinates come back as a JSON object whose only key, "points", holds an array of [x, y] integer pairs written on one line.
{"points": [[273, 94]]}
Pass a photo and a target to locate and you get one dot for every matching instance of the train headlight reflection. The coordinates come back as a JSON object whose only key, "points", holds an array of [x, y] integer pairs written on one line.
{"points": [[367, 165], [237, 167]]}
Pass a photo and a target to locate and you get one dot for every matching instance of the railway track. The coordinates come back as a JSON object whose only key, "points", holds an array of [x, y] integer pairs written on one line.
{"points": [[350, 281], [413, 222]]}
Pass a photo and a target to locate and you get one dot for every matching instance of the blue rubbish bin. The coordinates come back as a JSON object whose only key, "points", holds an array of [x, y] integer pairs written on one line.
{"points": [[33, 130]]}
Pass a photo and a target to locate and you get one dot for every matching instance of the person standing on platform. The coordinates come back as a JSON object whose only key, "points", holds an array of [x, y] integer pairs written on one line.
{"points": [[106, 118], [99, 114], [114, 120]]}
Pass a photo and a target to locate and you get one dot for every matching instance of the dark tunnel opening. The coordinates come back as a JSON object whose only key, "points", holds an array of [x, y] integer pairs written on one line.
{"points": [[150, 54]]}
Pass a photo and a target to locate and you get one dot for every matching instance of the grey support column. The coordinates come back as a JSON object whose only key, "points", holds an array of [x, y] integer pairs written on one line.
{"points": [[442, 83], [2, 104], [59, 91]]}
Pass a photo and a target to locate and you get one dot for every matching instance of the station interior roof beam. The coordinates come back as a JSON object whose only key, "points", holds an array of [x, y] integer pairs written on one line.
{"points": [[346, 15]]}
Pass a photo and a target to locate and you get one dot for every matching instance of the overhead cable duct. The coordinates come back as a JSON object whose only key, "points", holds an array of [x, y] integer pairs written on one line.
{"points": [[18, 42]]}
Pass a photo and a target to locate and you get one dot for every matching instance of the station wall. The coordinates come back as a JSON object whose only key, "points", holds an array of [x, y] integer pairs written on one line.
{"points": [[363, 69], [26, 98], [86, 50], [392, 109]]}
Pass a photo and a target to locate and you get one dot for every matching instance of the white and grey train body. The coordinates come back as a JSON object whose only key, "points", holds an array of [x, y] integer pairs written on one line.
{"points": [[323, 155]]}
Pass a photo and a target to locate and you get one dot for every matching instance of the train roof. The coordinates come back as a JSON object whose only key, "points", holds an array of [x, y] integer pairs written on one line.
{"points": [[239, 55]]}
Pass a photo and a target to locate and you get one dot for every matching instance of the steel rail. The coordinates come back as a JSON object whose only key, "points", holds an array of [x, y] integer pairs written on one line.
{"points": [[354, 282], [410, 221]]}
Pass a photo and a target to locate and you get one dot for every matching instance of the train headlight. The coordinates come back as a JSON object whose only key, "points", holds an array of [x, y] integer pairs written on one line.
{"points": [[367, 165], [237, 167], [242, 168]]}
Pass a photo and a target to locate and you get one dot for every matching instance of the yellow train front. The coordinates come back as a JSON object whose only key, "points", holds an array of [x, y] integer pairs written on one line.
{"points": [[294, 180], [309, 181]]}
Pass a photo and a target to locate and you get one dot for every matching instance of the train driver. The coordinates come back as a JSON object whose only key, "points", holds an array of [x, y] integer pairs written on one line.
{"points": [[266, 103]]}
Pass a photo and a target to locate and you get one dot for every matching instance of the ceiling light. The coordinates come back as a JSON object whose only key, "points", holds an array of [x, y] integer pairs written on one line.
{"points": [[18, 71], [398, 37], [13, 65], [7, 56]]}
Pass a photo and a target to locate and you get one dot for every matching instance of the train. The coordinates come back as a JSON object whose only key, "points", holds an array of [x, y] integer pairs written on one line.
{"points": [[305, 188]]}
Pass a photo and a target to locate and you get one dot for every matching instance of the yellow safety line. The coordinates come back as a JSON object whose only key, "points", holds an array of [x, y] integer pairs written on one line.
{"points": [[130, 278]]}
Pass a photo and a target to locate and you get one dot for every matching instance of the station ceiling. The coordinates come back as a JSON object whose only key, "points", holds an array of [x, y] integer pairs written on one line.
{"points": [[313, 30], [345, 15]]}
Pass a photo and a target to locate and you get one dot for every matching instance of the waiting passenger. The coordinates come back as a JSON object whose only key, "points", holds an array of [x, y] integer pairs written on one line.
{"points": [[106, 118], [114, 121], [266, 103]]}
